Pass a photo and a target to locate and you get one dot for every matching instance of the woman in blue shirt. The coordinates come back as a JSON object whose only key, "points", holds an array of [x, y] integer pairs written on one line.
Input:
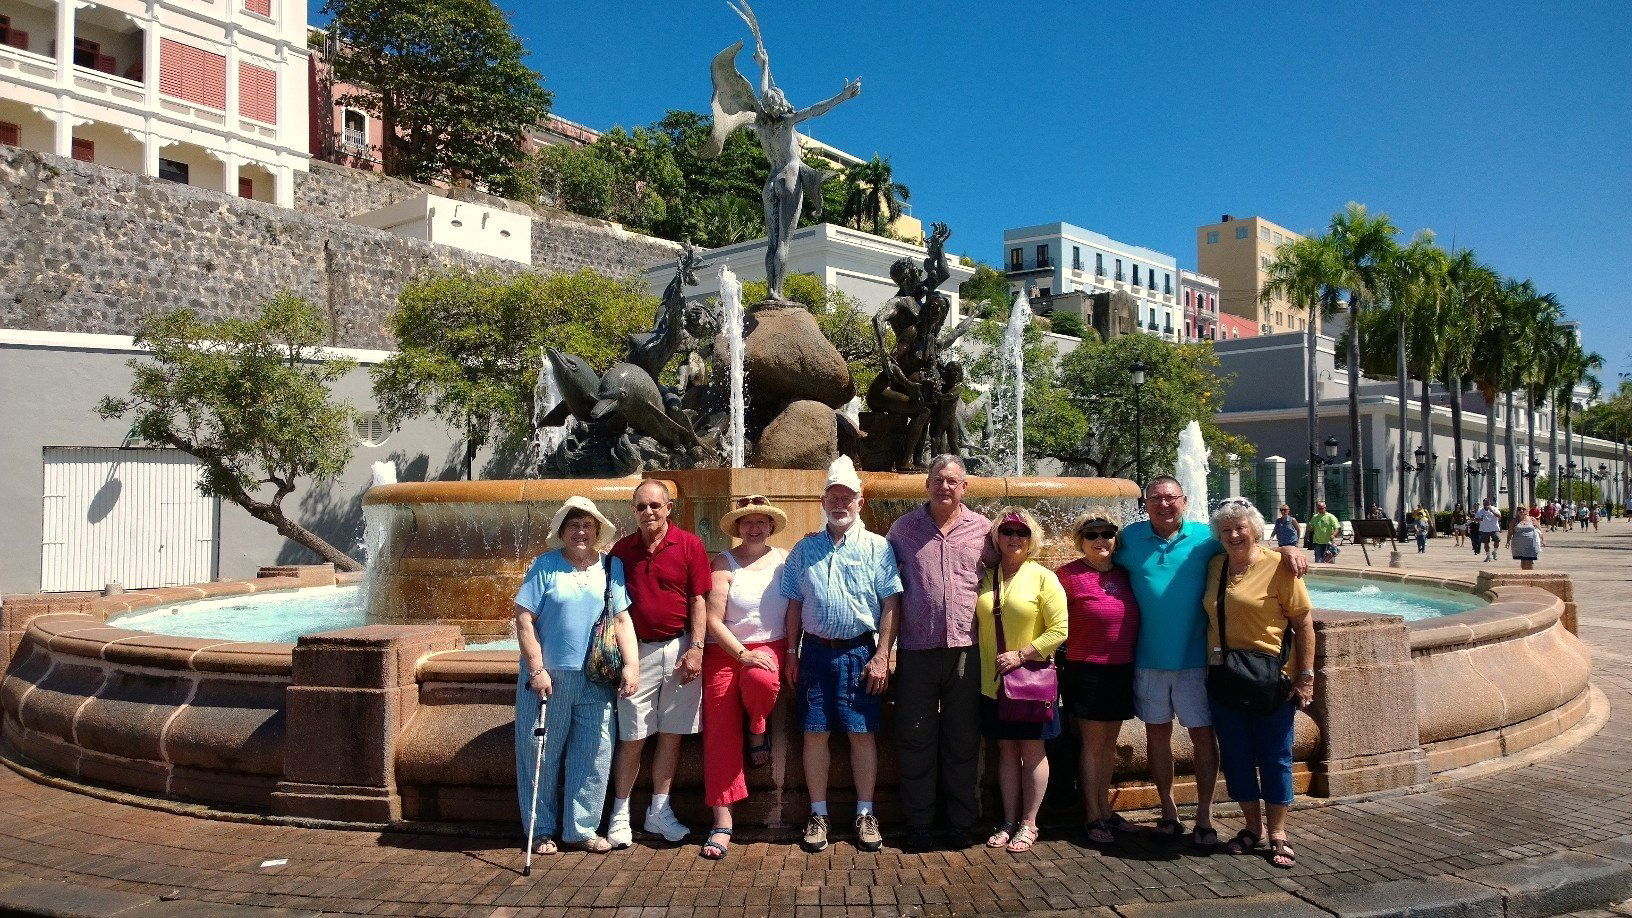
{"points": [[564, 593]]}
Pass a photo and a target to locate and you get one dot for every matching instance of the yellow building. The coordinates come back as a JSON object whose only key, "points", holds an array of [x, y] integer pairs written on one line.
{"points": [[1238, 252]]}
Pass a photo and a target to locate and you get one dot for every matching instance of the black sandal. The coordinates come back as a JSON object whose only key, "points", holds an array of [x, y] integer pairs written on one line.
{"points": [[763, 749], [1281, 850], [1205, 837], [1244, 842], [1169, 828], [719, 849]]}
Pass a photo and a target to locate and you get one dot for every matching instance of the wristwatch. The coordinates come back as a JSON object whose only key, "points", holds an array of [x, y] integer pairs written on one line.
{"points": [[1306, 672]]}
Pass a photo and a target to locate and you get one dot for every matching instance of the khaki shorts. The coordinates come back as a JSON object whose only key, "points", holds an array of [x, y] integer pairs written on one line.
{"points": [[662, 705], [1160, 695]]}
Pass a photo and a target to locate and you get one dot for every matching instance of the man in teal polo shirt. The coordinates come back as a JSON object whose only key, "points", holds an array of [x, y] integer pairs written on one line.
{"points": [[1166, 559]]}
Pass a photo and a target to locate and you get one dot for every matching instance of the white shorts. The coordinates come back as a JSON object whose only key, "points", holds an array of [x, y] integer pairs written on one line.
{"points": [[1161, 694], [662, 705]]}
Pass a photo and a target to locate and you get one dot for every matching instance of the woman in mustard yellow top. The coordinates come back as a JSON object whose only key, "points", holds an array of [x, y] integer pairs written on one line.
{"points": [[1263, 602], [1034, 626]]}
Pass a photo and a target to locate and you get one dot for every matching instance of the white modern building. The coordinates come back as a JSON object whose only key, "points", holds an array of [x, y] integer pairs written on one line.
{"points": [[1054, 259], [210, 92], [855, 262], [464, 225]]}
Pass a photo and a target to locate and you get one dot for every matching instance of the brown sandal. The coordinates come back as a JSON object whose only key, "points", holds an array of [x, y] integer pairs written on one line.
{"points": [[593, 845]]}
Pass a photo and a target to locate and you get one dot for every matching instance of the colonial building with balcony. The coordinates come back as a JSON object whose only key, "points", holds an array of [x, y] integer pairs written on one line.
{"points": [[1055, 259], [210, 93], [1200, 295]]}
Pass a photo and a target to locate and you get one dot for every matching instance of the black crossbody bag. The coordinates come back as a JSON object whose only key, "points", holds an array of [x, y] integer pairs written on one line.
{"points": [[1250, 681]]}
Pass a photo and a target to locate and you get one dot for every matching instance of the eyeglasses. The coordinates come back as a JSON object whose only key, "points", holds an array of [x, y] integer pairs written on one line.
{"points": [[753, 500], [651, 505], [1164, 498], [1011, 531], [1095, 534], [1235, 502]]}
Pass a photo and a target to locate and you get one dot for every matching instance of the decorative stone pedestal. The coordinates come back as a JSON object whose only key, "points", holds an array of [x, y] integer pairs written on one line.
{"points": [[1365, 691], [351, 693]]}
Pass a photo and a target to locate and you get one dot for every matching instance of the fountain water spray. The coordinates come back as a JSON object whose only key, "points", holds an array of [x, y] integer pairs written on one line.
{"points": [[1014, 363], [731, 327], [1191, 471], [546, 395]]}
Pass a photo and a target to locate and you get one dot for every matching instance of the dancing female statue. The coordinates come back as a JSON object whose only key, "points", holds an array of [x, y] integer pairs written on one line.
{"points": [[773, 119]]}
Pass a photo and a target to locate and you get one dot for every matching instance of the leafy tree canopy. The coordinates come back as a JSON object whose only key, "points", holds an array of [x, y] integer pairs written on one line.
{"points": [[468, 345], [1066, 323], [447, 81], [1182, 384], [248, 398], [987, 286]]}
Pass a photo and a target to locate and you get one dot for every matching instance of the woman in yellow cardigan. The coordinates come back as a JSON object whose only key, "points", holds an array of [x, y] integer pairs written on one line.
{"points": [[1034, 625]]}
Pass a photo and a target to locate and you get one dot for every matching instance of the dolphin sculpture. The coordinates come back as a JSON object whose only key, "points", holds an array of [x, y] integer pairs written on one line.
{"points": [[579, 385], [628, 390]]}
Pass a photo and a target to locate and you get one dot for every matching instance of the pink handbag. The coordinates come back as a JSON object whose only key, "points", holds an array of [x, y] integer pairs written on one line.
{"points": [[1029, 693]]}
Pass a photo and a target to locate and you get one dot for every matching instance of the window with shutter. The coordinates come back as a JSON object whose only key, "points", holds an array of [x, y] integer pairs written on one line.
{"points": [[193, 74], [84, 150], [246, 188], [257, 93], [10, 134]]}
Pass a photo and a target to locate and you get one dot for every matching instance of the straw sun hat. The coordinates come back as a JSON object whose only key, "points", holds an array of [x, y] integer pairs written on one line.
{"points": [[748, 506], [604, 538]]}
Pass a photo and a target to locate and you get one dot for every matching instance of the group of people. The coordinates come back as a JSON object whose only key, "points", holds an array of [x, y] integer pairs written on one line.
{"points": [[944, 609]]}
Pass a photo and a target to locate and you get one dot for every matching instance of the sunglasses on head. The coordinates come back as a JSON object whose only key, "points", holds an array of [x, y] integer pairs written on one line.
{"points": [[1094, 533], [753, 500], [1014, 531], [651, 505]]}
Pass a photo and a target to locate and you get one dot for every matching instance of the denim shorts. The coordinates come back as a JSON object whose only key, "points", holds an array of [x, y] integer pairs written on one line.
{"points": [[833, 695]]}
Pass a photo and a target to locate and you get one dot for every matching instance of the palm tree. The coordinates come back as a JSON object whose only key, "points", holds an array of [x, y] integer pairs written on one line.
{"points": [[1575, 368], [1551, 344], [1470, 291], [1417, 292], [1306, 273], [1361, 245], [873, 196]]}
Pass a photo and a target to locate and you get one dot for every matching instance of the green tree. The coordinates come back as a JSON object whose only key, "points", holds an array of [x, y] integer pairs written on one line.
{"points": [[249, 399], [1471, 288], [873, 198], [1054, 425], [1182, 384], [1066, 323], [1306, 273], [447, 81], [469, 345], [1362, 245], [987, 289]]}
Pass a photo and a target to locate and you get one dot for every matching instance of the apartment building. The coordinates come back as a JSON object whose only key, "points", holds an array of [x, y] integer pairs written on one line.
{"points": [[210, 93], [1057, 259], [1200, 295], [1238, 251]]}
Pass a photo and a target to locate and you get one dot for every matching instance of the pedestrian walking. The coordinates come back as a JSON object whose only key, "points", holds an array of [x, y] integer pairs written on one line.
{"points": [[1525, 541]]}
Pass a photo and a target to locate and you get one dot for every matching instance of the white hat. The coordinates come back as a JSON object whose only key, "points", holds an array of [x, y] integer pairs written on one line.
{"points": [[843, 472], [604, 537]]}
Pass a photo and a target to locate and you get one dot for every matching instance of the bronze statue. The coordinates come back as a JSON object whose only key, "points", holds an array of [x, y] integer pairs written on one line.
{"points": [[912, 403], [773, 120]]}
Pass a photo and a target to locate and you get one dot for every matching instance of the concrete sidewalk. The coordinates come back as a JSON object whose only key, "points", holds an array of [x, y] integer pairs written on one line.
{"points": [[1551, 835]]}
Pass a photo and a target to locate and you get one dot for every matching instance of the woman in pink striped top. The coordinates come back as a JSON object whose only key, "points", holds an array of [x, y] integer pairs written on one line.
{"points": [[1097, 673]]}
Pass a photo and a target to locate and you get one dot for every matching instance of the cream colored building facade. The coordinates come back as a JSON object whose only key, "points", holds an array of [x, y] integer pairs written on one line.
{"points": [[207, 92], [1238, 251]]}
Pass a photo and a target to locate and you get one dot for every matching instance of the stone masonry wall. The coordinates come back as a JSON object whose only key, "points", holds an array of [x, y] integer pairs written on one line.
{"points": [[92, 249]]}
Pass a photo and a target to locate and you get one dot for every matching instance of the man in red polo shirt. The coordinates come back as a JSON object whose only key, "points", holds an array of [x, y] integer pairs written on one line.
{"points": [[668, 574]]}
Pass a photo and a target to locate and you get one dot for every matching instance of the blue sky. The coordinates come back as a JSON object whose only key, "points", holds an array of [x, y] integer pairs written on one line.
{"points": [[1505, 127]]}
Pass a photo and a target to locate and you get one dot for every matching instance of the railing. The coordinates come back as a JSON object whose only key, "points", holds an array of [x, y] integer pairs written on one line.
{"points": [[250, 126], [180, 107], [27, 63], [107, 84]]}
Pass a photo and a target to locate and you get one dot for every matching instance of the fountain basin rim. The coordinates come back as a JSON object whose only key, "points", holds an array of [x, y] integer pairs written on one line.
{"points": [[875, 486]]}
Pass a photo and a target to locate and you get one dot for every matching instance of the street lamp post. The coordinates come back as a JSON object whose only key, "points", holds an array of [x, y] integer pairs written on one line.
{"points": [[1530, 477], [1138, 373], [1318, 462]]}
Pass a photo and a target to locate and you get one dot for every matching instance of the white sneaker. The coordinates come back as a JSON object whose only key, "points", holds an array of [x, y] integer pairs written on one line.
{"points": [[665, 824], [618, 832]]}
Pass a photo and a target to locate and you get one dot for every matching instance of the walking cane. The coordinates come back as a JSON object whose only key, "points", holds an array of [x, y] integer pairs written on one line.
{"points": [[538, 763]]}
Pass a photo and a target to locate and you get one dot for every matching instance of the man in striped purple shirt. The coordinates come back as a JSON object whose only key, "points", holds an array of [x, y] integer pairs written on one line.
{"points": [[938, 548]]}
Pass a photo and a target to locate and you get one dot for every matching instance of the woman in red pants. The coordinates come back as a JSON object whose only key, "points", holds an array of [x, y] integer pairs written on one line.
{"points": [[742, 665]]}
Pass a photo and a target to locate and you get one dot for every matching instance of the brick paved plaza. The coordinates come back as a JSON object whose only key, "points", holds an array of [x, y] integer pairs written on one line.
{"points": [[1551, 834]]}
